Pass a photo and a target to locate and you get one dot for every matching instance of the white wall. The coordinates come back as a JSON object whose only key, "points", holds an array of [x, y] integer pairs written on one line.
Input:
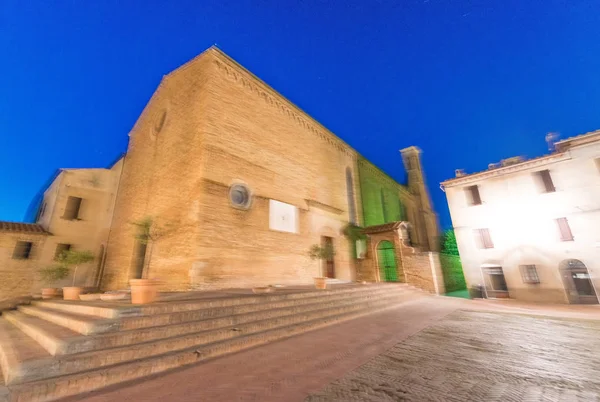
{"points": [[521, 222]]}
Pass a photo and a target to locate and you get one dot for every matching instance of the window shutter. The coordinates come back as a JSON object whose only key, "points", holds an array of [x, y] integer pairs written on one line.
{"points": [[565, 230]]}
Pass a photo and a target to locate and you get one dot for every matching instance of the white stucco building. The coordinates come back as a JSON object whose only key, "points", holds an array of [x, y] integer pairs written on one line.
{"points": [[530, 229]]}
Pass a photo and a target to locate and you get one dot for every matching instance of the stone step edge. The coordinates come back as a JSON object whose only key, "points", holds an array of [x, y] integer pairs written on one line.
{"points": [[72, 321], [127, 322], [60, 346], [49, 368], [98, 326], [48, 341], [72, 384], [114, 312]]}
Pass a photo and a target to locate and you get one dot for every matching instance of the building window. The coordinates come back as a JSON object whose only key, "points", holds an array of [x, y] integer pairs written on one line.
{"points": [[350, 193], [41, 212], [473, 196], [72, 208], [61, 248], [597, 160], [383, 209], [484, 240], [529, 274], [22, 250], [565, 230], [546, 181], [239, 196]]}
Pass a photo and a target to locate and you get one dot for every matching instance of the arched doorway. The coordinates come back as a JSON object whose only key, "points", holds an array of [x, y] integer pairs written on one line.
{"points": [[386, 257], [578, 284]]}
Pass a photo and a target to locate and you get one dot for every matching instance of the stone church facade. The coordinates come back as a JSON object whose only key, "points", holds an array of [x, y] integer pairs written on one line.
{"points": [[239, 183]]}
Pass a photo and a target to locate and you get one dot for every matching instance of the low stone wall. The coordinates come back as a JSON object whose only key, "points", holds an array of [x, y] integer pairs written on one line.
{"points": [[424, 271]]}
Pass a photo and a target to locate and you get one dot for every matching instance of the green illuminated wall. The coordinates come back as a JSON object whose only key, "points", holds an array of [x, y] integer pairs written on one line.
{"points": [[375, 186]]}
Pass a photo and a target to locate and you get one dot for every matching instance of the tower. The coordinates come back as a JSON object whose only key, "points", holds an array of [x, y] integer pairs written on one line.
{"points": [[425, 223]]}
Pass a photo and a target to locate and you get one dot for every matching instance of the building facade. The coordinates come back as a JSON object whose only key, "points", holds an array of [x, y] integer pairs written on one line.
{"points": [[529, 229], [235, 184]]}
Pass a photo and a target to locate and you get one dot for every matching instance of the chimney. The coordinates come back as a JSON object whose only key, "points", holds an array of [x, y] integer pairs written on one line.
{"points": [[551, 140]]}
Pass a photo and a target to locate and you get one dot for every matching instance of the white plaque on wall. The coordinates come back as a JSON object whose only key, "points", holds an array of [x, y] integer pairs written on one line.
{"points": [[283, 217]]}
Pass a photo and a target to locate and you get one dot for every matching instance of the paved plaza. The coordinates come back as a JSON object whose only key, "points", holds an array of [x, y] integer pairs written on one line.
{"points": [[428, 349], [482, 356]]}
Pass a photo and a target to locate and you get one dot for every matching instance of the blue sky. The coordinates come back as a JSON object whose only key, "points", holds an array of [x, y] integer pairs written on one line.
{"points": [[469, 82]]}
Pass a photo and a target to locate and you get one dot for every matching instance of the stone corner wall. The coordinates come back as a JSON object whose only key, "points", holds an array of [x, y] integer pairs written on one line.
{"points": [[424, 270]]}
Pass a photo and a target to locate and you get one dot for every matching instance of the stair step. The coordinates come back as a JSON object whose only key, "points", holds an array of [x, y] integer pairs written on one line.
{"points": [[82, 323], [91, 308], [66, 385], [186, 315], [52, 337], [59, 340], [68, 364], [87, 324], [20, 354], [278, 296]]}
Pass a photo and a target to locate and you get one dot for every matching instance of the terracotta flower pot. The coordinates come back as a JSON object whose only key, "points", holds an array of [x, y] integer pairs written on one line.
{"points": [[49, 293], [71, 292], [321, 283], [143, 291]]}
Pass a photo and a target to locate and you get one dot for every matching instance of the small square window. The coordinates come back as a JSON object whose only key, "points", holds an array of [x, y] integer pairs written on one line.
{"points": [[22, 250], [529, 274], [547, 186], [61, 248], [72, 208], [473, 196]]}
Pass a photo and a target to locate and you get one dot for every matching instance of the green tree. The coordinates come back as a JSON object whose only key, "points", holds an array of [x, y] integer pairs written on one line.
{"points": [[448, 241], [66, 260]]}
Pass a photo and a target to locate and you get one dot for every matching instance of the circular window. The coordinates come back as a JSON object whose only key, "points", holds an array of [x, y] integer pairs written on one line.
{"points": [[239, 195]]}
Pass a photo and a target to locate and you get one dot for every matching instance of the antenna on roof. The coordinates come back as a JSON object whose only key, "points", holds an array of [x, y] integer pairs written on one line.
{"points": [[551, 140]]}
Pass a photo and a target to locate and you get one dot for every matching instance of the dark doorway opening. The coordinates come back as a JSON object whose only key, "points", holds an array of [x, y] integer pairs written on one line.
{"points": [[578, 283], [139, 259], [495, 283], [329, 262]]}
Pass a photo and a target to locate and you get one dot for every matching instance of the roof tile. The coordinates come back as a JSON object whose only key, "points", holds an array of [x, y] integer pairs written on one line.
{"points": [[20, 227]]}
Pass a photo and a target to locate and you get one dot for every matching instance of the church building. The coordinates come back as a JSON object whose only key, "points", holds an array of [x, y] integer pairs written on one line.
{"points": [[234, 184]]}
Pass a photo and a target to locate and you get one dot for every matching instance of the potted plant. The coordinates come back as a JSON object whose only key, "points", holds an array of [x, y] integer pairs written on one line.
{"points": [[145, 290], [53, 274], [73, 259], [318, 252]]}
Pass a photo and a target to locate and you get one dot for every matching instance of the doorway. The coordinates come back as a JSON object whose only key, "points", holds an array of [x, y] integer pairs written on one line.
{"points": [[139, 258], [386, 257], [578, 283], [495, 282], [329, 261]]}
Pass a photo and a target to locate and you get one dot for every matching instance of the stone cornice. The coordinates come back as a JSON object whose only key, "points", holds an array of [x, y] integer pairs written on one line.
{"points": [[523, 166], [320, 205], [366, 164], [243, 77]]}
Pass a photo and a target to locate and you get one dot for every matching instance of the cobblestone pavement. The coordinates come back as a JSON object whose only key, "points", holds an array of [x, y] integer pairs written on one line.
{"points": [[482, 356]]}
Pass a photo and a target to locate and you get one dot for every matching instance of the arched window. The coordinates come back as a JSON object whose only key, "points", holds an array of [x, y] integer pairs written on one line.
{"points": [[350, 193], [382, 195]]}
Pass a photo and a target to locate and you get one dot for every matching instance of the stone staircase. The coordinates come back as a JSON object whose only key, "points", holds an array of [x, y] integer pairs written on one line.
{"points": [[53, 349]]}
